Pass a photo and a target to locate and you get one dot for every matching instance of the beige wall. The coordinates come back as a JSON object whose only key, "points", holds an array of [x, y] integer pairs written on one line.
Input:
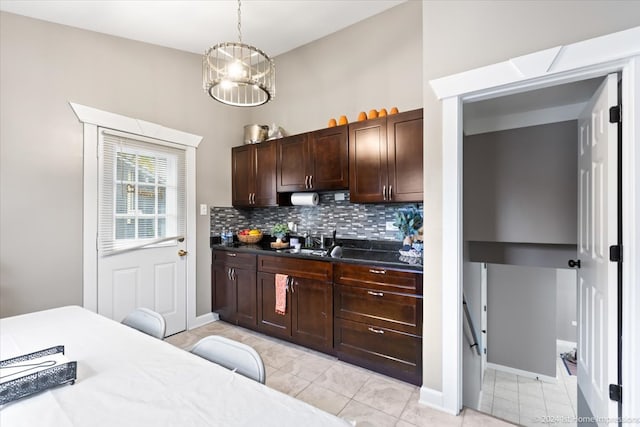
{"points": [[43, 66], [376, 63], [461, 35]]}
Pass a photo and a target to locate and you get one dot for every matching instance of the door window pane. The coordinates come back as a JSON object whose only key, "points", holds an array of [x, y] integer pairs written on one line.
{"points": [[147, 199], [141, 192], [125, 228], [146, 228]]}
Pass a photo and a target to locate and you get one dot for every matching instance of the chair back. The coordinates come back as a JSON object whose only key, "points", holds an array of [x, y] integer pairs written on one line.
{"points": [[231, 354], [147, 321]]}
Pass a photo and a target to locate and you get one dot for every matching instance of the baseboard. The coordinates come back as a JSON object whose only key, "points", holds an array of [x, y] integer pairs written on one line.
{"points": [[433, 399], [565, 346], [526, 374], [203, 320]]}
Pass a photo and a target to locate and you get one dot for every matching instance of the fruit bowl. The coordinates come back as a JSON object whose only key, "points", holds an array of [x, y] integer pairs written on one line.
{"points": [[249, 238]]}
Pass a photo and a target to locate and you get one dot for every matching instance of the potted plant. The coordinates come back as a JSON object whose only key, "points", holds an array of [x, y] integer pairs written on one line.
{"points": [[409, 221], [280, 230]]}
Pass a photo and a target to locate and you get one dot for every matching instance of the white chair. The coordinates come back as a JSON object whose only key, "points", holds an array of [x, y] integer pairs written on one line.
{"points": [[147, 321], [231, 354]]}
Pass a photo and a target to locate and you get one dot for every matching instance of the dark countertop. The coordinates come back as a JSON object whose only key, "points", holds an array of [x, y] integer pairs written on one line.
{"points": [[376, 252]]}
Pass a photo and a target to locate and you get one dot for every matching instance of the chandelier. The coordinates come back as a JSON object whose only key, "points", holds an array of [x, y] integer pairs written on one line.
{"points": [[238, 74]]}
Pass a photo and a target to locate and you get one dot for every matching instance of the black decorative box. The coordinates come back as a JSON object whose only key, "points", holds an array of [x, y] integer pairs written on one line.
{"points": [[34, 372]]}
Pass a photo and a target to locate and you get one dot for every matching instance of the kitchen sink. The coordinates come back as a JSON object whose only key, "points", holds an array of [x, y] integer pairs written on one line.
{"points": [[305, 251]]}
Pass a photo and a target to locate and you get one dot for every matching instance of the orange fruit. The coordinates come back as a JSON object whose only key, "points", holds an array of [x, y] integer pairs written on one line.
{"points": [[394, 110], [332, 123], [373, 114], [382, 112], [342, 120], [362, 116]]}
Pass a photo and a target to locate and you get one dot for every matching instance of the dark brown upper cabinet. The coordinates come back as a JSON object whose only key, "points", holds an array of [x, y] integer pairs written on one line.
{"points": [[253, 175], [313, 161], [385, 159]]}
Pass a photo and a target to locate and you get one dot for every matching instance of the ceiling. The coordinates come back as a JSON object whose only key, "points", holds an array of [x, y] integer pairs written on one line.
{"points": [[274, 26]]}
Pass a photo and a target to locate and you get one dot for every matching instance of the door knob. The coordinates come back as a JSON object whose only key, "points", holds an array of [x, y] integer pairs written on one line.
{"points": [[182, 252]]}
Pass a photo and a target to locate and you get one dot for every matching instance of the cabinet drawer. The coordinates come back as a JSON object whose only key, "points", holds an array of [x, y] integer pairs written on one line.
{"points": [[384, 350], [395, 310], [303, 268], [377, 278], [235, 259]]}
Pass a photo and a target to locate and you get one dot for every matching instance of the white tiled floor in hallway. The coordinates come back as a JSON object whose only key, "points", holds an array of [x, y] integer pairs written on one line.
{"points": [[526, 401], [342, 389]]}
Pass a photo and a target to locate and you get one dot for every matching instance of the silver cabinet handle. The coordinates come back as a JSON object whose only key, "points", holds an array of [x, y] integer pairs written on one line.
{"points": [[384, 192], [229, 274], [233, 274], [375, 331], [375, 294], [310, 181], [307, 181], [390, 192], [371, 270], [231, 254], [253, 198]]}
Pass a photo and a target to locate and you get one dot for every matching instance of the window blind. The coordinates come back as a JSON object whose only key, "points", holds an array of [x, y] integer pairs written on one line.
{"points": [[141, 191]]}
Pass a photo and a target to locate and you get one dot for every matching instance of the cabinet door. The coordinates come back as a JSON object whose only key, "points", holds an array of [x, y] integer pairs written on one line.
{"points": [[312, 320], [292, 173], [368, 160], [269, 321], [222, 293], [265, 174], [328, 159], [242, 175], [404, 144], [246, 308]]}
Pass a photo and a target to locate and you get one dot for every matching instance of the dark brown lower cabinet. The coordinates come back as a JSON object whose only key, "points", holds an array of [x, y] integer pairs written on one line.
{"points": [[233, 287], [366, 315], [308, 320], [378, 320]]}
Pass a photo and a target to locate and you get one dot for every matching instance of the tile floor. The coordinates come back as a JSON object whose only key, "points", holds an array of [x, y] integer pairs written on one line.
{"points": [[353, 393], [524, 400]]}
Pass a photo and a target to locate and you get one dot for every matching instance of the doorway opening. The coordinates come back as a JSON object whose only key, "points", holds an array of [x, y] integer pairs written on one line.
{"points": [[524, 197]]}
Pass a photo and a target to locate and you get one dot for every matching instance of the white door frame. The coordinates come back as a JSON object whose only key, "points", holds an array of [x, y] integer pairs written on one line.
{"points": [[93, 118], [617, 52]]}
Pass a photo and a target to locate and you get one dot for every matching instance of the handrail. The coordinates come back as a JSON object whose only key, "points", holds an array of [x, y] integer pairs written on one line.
{"points": [[473, 342], [144, 245]]}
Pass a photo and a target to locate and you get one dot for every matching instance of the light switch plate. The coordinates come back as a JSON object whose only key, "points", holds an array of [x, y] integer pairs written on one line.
{"points": [[203, 209], [390, 226], [338, 196]]}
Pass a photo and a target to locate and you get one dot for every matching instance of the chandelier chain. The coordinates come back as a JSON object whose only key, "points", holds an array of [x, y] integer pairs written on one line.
{"points": [[239, 25]]}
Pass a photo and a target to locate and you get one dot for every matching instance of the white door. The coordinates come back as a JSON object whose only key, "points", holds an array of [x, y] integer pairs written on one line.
{"points": [[141, 226], [597, 230]]}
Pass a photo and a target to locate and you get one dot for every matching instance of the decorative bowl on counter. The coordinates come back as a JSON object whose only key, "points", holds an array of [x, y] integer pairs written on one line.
{"points": [[250, 236]]}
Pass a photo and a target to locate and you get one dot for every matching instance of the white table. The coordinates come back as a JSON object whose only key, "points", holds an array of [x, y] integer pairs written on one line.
{"points": [[126, 378]]}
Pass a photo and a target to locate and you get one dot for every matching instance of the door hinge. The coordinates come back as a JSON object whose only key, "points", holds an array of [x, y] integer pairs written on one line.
{"points": [[485, 351], [615, 253], [615, 392], [614, 114]]}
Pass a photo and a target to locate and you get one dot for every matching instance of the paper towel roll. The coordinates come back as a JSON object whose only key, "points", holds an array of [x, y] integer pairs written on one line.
{"points": [[304, 199]]}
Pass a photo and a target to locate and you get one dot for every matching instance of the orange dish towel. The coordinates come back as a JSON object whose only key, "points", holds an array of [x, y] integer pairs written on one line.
{"points": [[281, 293]]}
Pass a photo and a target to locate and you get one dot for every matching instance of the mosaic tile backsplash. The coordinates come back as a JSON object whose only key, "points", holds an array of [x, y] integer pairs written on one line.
{"points": [[350, 220]]}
